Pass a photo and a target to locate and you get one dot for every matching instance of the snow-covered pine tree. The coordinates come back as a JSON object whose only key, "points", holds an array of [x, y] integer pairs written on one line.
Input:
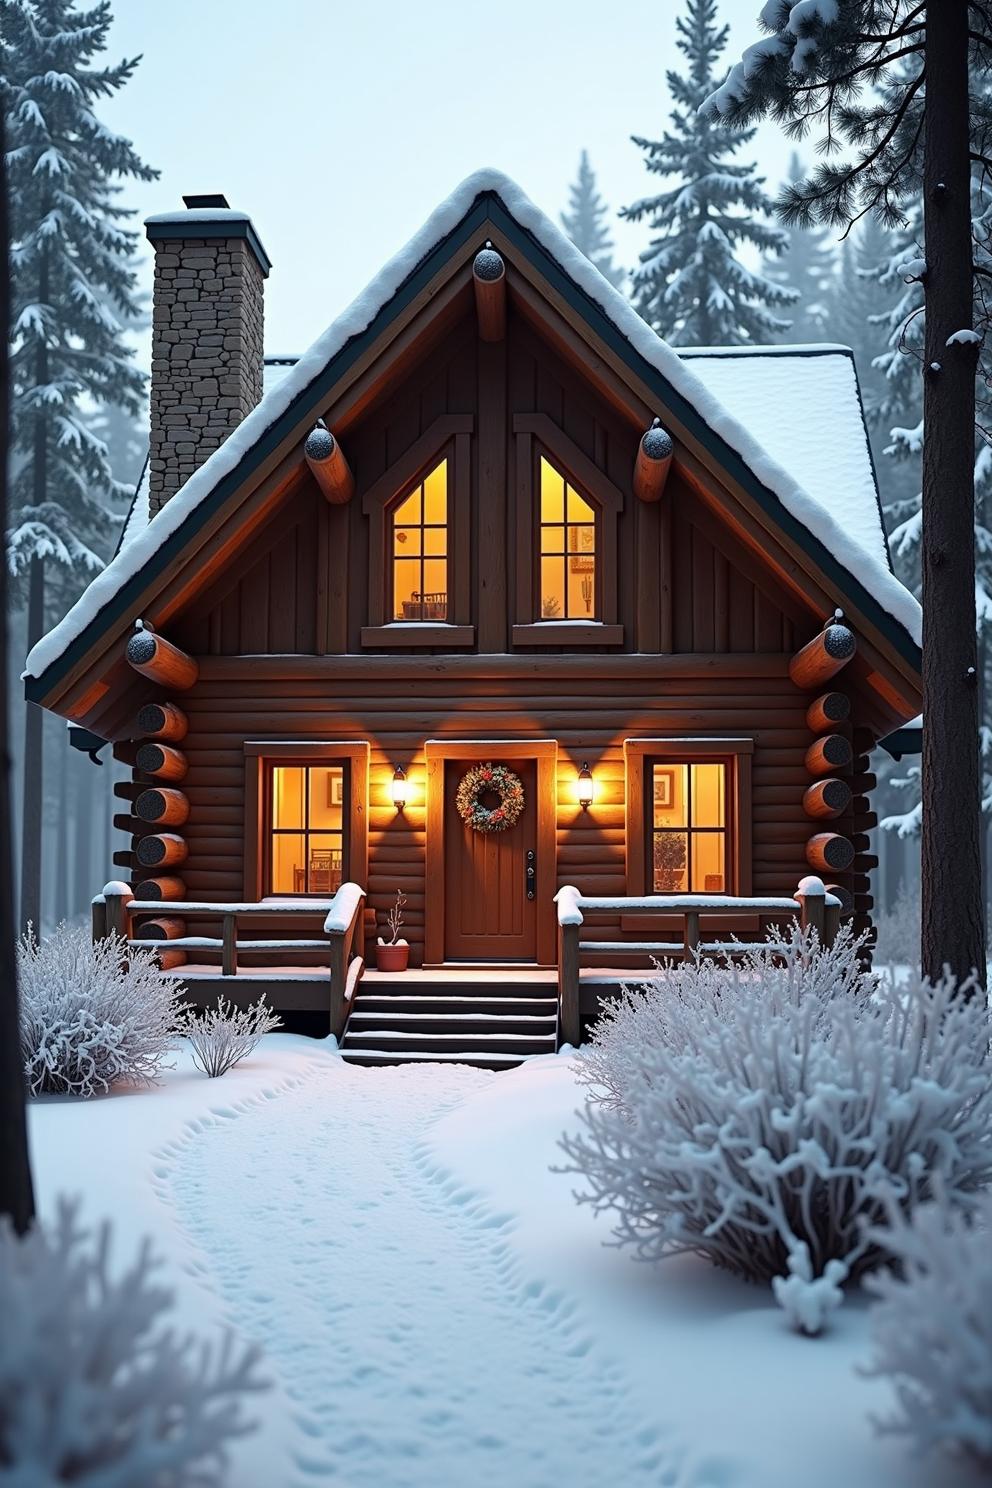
{"points": [[809, 266], [585, 221], [71, 257], [691, 285]]}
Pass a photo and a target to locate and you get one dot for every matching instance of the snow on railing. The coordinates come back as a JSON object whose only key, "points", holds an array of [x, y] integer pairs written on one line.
{"points": [[811, 904]]}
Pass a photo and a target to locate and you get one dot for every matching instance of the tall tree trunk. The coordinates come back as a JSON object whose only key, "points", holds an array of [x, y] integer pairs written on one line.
{"points": [[953, 929], [16, 1194], [32, 805]]}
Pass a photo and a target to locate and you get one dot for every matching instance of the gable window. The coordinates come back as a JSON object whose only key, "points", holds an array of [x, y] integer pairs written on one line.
{"points": [[568, 589], [688, 816], [306, 829], [420, 550]]}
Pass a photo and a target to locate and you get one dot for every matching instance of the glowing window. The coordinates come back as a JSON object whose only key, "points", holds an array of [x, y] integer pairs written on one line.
{"points": [[568, 549], [420, 550], [306, 829], [689, 838]]}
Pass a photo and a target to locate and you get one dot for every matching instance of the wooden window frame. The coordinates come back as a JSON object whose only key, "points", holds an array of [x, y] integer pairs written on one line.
{"points": [[736, 753], [261, 753], [535, 435], [448, 437]]}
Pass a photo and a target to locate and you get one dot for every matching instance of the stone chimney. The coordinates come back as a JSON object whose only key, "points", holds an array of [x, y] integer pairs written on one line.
{"points": [[210, 269]]}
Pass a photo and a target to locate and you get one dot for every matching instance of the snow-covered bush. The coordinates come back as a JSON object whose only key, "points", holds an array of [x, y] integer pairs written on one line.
{"points": [[221, 1036], [932, 1327], [95, 1387], [756, 1113], [92, 1015]]}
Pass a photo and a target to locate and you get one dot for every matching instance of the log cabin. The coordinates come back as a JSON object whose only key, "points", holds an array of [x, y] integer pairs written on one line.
{"points": [[579, 641]]}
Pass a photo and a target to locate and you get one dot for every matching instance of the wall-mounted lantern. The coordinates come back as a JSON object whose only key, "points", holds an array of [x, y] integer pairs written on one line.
{"points": [[400, 787], [584, 787]]}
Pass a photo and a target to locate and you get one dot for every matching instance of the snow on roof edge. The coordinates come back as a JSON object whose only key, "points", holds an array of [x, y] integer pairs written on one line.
{"points": [[894, 598]]}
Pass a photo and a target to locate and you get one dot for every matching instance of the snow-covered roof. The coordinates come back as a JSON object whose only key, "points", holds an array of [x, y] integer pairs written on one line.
{"points": [[803, 405], [870, 571]]}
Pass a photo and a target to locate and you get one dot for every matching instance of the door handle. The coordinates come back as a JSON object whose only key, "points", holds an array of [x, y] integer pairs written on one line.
{"points": [[530, 873]]}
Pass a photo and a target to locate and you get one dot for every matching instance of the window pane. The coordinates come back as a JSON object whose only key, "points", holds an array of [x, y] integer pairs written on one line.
{"points": [[671, 854], [288, 859], [582, 545], [436, 541], [287, 796], [326, 796], [708, 795], [436, 495], [581, 589], [552, 494], [552, 539], [709, 857], [435, 588], [670, 790], [409, 510], [406, 542], [324, 863], [553, 589], [579, 509], [406, 584]]}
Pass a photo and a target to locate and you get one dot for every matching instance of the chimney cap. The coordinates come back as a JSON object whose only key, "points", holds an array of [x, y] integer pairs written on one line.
{"points": [[218, 199]]}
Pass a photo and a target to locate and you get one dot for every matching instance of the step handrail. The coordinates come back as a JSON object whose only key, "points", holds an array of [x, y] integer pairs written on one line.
{"points": [[814, 907]]}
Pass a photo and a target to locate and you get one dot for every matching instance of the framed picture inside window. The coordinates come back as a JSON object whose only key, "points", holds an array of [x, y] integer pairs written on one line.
{"points": [[664, 787], [335, 791], [582, 549]]}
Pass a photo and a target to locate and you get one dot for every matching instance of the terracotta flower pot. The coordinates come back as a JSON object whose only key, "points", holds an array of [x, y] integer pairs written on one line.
{"points": [[392, 957]]}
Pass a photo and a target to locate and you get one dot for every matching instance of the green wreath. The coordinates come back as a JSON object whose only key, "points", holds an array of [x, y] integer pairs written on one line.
{"points": [[475, 783]]}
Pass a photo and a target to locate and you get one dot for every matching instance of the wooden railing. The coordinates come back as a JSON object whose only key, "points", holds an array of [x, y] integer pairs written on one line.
{"points": [[812, 906], [115, 910]]}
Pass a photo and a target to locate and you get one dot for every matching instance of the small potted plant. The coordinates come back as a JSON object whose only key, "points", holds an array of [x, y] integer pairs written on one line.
{"points": [[393, 954], [669, 862]]}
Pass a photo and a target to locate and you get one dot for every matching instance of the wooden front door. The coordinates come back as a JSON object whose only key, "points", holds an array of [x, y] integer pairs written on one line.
{"points": [[490, 902]]}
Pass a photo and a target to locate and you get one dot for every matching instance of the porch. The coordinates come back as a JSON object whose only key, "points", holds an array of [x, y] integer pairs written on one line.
{"points": [[495, 1015]]}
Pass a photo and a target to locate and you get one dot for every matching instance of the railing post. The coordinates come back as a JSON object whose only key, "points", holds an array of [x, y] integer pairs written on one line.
{"points": [[810, 896], [117, 900], [831, 923], [339, 982], [691, 932], [229, 945], [98, 918], [570, 1026]]}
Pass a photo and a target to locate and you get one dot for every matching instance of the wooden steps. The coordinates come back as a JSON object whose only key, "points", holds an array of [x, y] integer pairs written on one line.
{"points": [[489, 1023]]}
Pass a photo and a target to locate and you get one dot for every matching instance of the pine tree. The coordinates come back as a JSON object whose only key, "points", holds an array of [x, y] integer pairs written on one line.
{"points": [[585, 223], [889, 79], [71, 259], [808, 265], [691, 285]]}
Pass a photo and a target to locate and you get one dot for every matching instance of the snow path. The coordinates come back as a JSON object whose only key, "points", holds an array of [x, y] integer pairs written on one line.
{"points": [[389, 1298]]}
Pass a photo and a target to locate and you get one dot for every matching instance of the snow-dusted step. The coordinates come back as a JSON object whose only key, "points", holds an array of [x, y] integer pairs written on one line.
{"points": [[484, 1021]]}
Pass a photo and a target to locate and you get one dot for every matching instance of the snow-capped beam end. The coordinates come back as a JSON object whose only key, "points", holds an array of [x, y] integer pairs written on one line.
{"points": [[654, 461], [160, 661], [824, 656], [489, 280], [328, 466]]}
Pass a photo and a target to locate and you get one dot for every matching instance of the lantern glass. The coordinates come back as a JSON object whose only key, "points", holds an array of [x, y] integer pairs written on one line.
{"points": [[584, 787], [399, 788]]}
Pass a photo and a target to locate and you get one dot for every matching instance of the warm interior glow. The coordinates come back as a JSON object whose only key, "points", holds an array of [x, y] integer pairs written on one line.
{"points": [[689, 827], [400, 786], [568, 550], [420, 550], [584, 787], [306, 829]]}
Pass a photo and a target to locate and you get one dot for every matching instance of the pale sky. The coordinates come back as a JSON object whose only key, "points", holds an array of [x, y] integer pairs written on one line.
{"points": [[340, 126]]}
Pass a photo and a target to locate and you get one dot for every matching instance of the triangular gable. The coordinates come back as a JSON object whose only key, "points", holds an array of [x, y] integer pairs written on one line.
{"points": [[487, 198]]}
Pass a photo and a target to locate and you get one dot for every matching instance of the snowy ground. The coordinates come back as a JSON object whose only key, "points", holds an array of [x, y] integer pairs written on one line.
{"points": [[433, 1306]]}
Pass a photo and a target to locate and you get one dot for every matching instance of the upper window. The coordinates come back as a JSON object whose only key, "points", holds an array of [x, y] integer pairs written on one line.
{"points": [[306, 814], [420, 550], [688, 820], [568, 589]]}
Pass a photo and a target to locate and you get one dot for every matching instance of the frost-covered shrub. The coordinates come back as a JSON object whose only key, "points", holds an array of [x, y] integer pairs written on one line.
{"points": [[221, 1036], [932, 1327], [92, 1014], [755, 1113], [95, 1388]]}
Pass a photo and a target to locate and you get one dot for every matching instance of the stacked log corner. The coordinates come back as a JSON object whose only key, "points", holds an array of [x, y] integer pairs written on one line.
{"points": [[831, 852]]}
